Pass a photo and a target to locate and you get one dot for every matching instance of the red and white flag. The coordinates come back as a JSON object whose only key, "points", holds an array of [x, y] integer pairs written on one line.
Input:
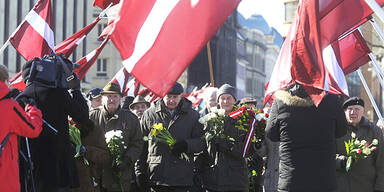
{"points": [[157, 40], [67, 46], [307, 56], [104, 3], [17, 82], [122, 78], [87, 61], [34, 37]]}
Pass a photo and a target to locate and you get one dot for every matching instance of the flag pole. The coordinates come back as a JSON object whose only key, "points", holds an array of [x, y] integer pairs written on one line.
{"points": [[376, 8], [210, 64], [376, 65], [4, 46], [369, 94]]}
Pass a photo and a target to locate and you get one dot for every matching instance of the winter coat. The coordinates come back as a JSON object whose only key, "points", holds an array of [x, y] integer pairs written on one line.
{"points": [[365, 174], [157, 161], [128, 123], [53, 154], [226, 171], [307, 141], [270, 150], [16, 122], [96, 153]]}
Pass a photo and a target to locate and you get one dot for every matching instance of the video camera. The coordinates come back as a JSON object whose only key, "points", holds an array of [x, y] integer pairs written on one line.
{"points": [[53, 72]]}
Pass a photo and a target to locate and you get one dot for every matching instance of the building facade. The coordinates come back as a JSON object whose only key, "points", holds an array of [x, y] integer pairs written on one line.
{"points": [[69, 16]]}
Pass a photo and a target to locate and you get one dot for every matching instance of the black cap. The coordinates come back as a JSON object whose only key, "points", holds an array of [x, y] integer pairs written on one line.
{"points": [[353, 101], [177, 89], [226, 89], [93, 93]]}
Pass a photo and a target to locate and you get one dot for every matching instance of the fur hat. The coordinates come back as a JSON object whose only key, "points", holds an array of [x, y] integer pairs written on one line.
{"points": [[226, 89]]}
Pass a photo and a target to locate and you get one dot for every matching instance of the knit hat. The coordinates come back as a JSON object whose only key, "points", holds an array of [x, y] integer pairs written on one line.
{"points": [[177, 89], [226, 89], [353, 101], [111, 88]]}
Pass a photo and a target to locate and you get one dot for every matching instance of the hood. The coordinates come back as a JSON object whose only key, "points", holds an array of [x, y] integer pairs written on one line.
{"points": [[4, 90], [290, 100]]}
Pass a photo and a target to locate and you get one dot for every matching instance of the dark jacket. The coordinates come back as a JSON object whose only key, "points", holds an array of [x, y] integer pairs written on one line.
{"points": [[16, 122], [307, 141], [96, 153], [128, 123], [162, 167], [226, 171], [365, 174], [53, 155]]}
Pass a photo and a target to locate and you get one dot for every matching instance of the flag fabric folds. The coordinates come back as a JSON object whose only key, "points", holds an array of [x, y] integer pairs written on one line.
{"points": [[313, 56], [17, 82], [67, 46], [157, 40], [34, 37], [104, 3], [87, 61]]}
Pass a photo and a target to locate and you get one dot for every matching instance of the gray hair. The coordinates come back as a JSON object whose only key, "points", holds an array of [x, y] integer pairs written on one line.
{"points": [[4, 76]]}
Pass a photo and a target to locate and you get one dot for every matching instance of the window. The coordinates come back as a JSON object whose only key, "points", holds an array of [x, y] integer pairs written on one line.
{"points": [[101, 67], [290, 10], [100, 28], [354, 84]]}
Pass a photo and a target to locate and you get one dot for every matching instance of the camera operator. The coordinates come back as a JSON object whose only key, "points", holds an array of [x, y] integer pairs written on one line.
{"points": [[54, 167], [14, 122]]}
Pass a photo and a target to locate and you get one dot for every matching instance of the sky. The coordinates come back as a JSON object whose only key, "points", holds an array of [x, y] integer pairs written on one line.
{"points": [[271, 10]]}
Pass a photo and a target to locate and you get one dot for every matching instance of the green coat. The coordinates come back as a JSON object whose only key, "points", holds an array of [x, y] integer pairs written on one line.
{"points": [[366, 174], [157, 161], [226, 171], [128, 123]]}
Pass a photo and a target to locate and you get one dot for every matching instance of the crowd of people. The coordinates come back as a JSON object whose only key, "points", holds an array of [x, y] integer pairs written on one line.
{"points": [[304, 150]]}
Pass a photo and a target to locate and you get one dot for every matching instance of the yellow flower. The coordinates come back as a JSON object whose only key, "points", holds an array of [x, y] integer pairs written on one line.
{"points": [[154, 132], [158, 126]]}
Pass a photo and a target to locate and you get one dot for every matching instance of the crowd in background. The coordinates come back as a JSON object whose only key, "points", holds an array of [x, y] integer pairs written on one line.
{"points": [[130, 144]]}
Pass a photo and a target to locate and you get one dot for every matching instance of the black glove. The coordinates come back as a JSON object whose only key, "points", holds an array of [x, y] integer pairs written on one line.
{"points": [[86, 127], [223, 145], [125, 164], [82, 151], [142, 182], [74, 84], [179, 147]]}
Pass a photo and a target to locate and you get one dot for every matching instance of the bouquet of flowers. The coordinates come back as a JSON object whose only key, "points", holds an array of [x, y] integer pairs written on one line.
{"points": [[117, 147], [357, 149], [214, 123], [261, 122], [162, 135], [74, 135]]}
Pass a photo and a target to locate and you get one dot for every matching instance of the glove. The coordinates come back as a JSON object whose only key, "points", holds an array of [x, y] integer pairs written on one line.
{"points": [[142, 182], [86, 127], [223, 146], [179, 147], [74, 84], [82, 151], [125, 164]]}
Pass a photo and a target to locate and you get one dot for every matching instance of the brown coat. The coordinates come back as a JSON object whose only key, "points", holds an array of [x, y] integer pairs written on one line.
{"points": [[97, 153], [128, 123]]}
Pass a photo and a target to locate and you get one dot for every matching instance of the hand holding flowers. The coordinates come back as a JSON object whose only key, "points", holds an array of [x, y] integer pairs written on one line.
{"points": [[357, 149], [74, 135], [214, 123]]}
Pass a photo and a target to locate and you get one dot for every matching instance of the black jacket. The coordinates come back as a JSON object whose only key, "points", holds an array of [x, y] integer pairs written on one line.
{"points": [[53, 155], [307, 141]]}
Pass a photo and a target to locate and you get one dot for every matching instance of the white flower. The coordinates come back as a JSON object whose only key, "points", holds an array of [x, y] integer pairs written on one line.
{"points": [[357, 142], [353, 135], [202, 120], [125, 147], [259, 117], [367, 151], [110, 134], [375, 142], [221, 112], [212, 116], [363, 142], [214, 109]]}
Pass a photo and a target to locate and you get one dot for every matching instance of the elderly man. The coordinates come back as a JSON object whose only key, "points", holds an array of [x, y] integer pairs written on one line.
{"points": [[167, 169], [110, 117], [138, 106], [94, 97], [365, 174], [209, 100]]}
